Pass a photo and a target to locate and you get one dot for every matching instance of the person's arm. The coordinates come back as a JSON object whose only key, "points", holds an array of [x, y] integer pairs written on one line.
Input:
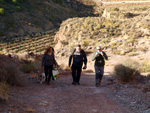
{"points": [[94, 56], [43, 60], [85, 58], [104, 55], [70, 58]]}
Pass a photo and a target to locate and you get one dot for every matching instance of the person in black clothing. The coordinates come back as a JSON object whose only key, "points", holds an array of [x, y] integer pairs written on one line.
{"points": [[48, 61], [79, 56]]}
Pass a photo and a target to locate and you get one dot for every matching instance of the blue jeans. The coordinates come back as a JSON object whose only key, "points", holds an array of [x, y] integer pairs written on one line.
{"points": [[99, 71]]}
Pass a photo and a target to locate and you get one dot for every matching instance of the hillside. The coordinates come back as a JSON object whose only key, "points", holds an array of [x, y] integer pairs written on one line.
{"points": [[23, 17], [124, 30]]}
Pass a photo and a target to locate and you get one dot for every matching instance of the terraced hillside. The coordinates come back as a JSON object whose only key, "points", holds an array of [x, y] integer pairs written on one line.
{"points": [[23, 17], [35, 43]]}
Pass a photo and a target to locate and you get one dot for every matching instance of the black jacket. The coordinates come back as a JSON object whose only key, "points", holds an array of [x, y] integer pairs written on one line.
{"points": [[100, 59], [78, 59]]}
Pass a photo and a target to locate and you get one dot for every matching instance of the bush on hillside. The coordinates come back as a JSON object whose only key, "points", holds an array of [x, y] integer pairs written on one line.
{"points": [[57, 1], [128, 71], [31, 67], [2, 11], [4, 89], [11, 74], [27, 68], [145, 67], [37, 66]]}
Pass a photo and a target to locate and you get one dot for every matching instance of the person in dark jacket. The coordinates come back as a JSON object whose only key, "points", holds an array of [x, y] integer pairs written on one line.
{"points": [[48, 61], [99, 58], [79, 56]]}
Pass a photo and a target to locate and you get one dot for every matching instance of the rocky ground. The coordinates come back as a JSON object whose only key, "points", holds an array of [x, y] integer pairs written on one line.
{"points": [[63, 97]]}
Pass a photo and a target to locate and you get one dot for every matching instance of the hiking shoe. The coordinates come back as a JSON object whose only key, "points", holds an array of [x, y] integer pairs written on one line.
{"points": [[73, 83], [78, 83], [96, 85]]}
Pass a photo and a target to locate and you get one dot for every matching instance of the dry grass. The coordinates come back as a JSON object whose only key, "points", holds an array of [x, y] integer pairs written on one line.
{"points": [[127, 71], [11, 74], [4, 89], [145, 67], [31, 67]]}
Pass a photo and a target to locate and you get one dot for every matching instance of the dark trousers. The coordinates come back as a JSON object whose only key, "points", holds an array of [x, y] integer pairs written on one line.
{"points": [[99, 73], [76, 73], [48, 73]]}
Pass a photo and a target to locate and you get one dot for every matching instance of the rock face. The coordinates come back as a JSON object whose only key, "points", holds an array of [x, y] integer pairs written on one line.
{"points": [[106, 14]]}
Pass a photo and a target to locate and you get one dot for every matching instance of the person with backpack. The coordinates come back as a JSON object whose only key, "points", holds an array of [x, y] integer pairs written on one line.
{"points": [[48, 61], [99, 58], [79, 57]]}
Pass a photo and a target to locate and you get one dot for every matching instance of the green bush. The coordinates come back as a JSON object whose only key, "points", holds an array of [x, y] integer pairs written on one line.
{"points": [[57, 1], [18, 8], [50, 18], [2, 11], [127, 71], [14, 1]]}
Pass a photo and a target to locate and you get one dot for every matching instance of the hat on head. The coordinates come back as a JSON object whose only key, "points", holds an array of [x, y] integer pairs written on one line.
{"points": [[99, 47]]}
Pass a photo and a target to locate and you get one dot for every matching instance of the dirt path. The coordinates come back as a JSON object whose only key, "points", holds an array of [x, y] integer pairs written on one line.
{"points": [[61, 97]]}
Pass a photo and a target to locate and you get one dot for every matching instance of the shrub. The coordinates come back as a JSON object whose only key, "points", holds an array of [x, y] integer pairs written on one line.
{"points": [[64, 42], [129, 15], [50, 18], [2, 11], [36, 66], [57, 1], [11, 74], [116, 9], [145, 67], [27, 67], [127, 71], [4, 89], [31, 67], [18, 8], [85, 43]]}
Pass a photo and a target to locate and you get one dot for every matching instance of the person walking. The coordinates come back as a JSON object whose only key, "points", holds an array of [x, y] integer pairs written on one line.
{"points": [[99, 58], [48, 61], [79, 56]]}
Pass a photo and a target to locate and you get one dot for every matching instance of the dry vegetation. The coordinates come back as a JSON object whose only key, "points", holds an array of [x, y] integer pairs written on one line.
{"points": [[125, 30], [14, 73], [127, 71], [35, 43]]}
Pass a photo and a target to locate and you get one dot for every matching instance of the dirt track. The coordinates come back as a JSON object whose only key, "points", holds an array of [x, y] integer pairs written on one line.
{"points": [[62, 97]]}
